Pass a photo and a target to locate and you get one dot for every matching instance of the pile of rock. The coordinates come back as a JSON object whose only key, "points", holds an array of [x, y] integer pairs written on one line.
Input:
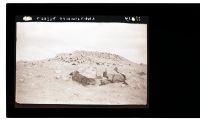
{"points": [[88, 76], [79, 57]]}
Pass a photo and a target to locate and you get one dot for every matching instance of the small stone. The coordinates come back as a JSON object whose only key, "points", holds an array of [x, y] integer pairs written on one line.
{"points": [[104, 78], [57, 77], [58, 71], [98, 77], [21, 80], [39, 76], [64, 78], [123, 85]]}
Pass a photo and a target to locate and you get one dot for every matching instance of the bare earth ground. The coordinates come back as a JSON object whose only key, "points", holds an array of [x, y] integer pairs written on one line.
{"points": [[48, 82]]}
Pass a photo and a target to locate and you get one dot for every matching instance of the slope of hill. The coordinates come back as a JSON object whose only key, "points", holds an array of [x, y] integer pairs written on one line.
{"points": [[48, 81]]}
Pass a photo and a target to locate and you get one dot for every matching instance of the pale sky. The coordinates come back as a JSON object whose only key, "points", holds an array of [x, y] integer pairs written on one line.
{"points": [[40, 40]]}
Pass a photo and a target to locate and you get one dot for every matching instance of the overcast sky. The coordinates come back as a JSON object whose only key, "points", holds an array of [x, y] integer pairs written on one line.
{"points": [[40, 40]]}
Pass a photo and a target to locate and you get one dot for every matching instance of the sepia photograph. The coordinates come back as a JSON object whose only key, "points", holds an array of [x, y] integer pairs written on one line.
{"points": [[98, 60], [92, 63]]}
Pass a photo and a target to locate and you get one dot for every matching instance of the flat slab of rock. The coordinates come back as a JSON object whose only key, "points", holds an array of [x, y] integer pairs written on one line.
{"points": [[88, 72]]}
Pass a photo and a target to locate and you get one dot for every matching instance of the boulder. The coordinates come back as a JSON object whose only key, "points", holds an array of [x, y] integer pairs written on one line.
{"points": [[88, 72], [76, 76]]}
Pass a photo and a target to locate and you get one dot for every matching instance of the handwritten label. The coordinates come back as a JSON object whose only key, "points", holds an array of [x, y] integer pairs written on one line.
{"points": [[133, 19], [55, 18]]}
